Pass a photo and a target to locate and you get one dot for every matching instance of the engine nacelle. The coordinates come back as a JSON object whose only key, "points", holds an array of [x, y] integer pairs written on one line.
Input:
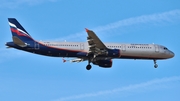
{"points": [[103, 63], [115, 53]]}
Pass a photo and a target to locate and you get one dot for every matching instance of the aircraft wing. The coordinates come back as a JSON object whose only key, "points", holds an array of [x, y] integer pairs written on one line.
{"points": [[95, 44]]}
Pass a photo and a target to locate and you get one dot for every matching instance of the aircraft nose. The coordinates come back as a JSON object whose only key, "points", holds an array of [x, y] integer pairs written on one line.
{"points": [[171, 54]]}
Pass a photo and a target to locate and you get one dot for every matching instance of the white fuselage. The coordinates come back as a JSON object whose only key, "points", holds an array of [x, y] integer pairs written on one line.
{"points": [[129, 51]]}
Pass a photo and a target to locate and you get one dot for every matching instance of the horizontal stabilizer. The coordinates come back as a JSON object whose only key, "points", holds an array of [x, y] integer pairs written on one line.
{"points": [[9, 47], [19, 42]]}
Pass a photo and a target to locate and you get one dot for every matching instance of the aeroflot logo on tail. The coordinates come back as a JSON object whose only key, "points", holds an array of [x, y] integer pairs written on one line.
{"points": [[18, 31]]}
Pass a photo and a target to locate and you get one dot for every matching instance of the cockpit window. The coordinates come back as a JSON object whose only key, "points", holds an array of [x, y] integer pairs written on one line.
{"points": [[165, 48]]}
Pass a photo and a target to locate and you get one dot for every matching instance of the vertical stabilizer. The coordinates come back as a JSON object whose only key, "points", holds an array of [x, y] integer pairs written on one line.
{"points": [[19, 35]]}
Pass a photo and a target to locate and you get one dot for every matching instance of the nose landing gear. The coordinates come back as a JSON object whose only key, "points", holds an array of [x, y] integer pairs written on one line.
{"points": [[155, 64]]}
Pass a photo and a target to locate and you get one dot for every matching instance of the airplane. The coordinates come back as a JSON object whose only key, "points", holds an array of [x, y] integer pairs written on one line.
{"points": [[94, 50]]}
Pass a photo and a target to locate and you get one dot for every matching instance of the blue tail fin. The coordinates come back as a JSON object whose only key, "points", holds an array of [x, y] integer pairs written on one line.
{"points": [[20, 35]]}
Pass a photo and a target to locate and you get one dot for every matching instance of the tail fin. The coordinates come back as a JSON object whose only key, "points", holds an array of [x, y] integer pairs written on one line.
{"points": [[19, 35]]}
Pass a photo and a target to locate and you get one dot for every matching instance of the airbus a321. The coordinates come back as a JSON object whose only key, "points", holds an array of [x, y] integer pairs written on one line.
{"points": [[94, 50]]}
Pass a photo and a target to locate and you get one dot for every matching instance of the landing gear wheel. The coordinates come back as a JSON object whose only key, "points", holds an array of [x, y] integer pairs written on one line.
{"points": [[88, 67], [155, 66]]}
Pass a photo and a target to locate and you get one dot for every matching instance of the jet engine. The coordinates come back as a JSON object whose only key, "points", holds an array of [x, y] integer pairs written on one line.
{"points": [[103, 63]]}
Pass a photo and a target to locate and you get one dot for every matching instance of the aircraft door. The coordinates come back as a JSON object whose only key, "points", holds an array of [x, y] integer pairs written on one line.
{"points": [[82, 46], [36, 45], [156, 48], [123, 47]]}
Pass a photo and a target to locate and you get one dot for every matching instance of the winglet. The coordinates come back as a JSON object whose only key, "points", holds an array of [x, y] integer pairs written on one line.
{"points": [[64, 60], [86, 29]]}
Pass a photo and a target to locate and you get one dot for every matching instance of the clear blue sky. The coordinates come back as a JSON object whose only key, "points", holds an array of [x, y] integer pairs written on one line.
{"points": [[29, 77]]}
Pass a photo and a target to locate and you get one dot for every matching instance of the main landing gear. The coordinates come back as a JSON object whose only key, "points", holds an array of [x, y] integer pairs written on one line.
{"points": [[88, 67], [155, 64]]}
